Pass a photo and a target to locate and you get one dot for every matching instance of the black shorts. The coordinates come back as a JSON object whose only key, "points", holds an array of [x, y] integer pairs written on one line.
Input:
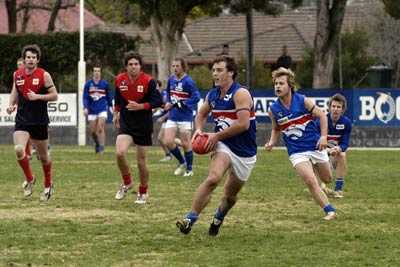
{"points": [[141, 139], [36, 132]]}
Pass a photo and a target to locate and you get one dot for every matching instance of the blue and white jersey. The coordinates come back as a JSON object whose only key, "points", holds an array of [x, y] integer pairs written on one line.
{"points": [[164, 96], [160, 111], [224, 115], [339, 132], [300, 132], [185, 92], [96, 96]]}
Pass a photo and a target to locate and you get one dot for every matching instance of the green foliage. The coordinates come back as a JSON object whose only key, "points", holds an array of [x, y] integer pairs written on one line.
{"points": [[116, 11], [202, 75], [262, 74], [274, 223], [304, 70], [60, 54], [355, 61], [392, 7], [162, 10], [266, 6], [262, 78]]}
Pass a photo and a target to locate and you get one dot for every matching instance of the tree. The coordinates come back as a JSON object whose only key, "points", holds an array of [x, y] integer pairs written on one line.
{"points": [[330, 16], [246, 7], [356, 59], [11, 7], [118, 11], [384, 29], [26, 6], [392, 7], [57, 6], [167, 21]]}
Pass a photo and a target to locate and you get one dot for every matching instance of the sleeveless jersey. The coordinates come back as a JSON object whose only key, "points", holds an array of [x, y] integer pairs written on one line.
{"points": [[142, 90], [224, 115], [31, 112], [183, 90], [96, 96], [339, 132], [300, 132]]}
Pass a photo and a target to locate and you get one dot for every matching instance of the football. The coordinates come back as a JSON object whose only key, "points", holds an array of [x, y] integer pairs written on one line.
{"points": [[199, 144]]}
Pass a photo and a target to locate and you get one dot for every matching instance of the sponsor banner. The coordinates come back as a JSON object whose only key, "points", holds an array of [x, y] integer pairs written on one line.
{"points": [[62, 112], [378, 107], [264, 98], [365, 107]]}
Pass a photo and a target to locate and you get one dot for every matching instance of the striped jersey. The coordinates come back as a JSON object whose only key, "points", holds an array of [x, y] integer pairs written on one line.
{"points": [[300, 132], [224, 115], [339, 132], [185, 91], [97, 96]]}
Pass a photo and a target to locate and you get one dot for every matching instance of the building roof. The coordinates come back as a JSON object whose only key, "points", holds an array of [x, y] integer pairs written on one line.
{"points": [[294, 28], [67, 20]]}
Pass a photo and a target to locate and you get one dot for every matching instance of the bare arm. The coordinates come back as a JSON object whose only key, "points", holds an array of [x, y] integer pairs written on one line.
{"points": [[13, 99], [275, 133], [316, 112], [201, 117], [51, 95]]}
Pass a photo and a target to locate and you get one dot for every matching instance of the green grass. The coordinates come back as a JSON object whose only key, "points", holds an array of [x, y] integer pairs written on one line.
{"points": [[275, 222]]}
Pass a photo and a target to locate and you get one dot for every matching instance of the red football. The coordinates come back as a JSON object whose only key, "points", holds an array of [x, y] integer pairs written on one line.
{"points": [[199, 144]]}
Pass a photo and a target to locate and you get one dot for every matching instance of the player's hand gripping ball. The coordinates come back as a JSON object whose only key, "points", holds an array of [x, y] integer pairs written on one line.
{"points": [[199, 144]]}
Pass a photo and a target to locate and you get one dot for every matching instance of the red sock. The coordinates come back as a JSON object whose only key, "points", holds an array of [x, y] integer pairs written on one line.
{"points": [[47, 174], [24, 163], [142, 189], [127, 179]]}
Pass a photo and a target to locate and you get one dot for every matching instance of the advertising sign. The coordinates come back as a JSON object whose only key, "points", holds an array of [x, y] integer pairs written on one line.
{"points": [[62, 112]]}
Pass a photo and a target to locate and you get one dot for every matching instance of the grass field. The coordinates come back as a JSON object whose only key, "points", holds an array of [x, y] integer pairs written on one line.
{"points": [[275, 222]]}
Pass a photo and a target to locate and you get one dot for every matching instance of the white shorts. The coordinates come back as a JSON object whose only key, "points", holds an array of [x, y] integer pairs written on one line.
{"points": [[163, 125], [93, 117], [240, 166], [181, 125], [313, 156]]}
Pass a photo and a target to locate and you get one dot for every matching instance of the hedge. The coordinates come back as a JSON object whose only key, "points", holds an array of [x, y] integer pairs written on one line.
{"points": [[60, 53]]}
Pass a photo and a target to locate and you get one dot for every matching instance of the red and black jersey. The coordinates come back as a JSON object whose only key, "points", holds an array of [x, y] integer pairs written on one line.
{"points": [[31, 112], [142, 90]]}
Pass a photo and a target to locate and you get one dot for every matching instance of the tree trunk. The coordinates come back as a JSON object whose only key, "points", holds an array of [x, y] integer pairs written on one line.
{"points": [[25, 17], [166, 39], [11, 6], [330, 16], [54, 12]]}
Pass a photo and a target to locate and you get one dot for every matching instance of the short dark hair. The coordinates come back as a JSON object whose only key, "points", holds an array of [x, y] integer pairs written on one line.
{"points": [[338, 98], [229, 62], [131, 54], [183, 63], [33, 48]]}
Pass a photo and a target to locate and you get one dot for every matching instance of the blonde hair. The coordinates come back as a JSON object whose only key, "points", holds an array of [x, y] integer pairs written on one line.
{"points": [[285, 72]]}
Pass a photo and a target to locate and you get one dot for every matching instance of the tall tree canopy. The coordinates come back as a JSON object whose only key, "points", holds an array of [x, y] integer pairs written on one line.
{"points": [[167, 21], [392, 7]]}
